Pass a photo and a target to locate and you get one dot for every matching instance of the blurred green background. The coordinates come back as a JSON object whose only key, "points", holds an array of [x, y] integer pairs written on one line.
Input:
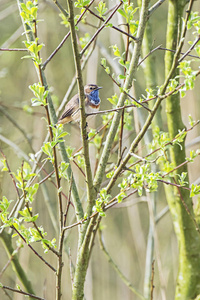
{"points": [[125, 227]]}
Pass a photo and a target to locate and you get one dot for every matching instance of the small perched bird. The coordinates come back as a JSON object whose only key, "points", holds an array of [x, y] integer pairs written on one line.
{"points": [[92, 103]]}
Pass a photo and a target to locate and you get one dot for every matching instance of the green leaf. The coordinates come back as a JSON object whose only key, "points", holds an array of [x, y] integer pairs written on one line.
{"points": [[116, 50], [84, 40], [121, 11], [101, 8], [122, 76], [5, 168], [97, 141], [34, 218], [34, 12], [103, 62], [113, 100], [182, 92], [4, 204], [102, 214], [47, 149], [40, 94], [191, 121], [81, 3], [120, 197], [195, 190]]}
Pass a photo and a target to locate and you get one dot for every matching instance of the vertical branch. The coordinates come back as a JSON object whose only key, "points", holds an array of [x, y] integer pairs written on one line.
{"points": [[189, 242], [7, 241], [122, 116], [83, 125], [151, 83], [117, 269], [148, 119], [127, 85], [11, 174], [152, 279], [32, 36], [50, 110], [51, 137], [84, 253], [150, 72], [78, 205]]}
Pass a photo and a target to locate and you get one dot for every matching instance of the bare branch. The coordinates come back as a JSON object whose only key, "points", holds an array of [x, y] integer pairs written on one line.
{"points": [[64, 39], [117, 270], [36, 253], [21, 292], [155, 6], [99, 30]]}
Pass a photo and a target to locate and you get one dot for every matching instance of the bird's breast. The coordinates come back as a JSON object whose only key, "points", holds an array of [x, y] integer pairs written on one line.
{"points": [[90, 108]]}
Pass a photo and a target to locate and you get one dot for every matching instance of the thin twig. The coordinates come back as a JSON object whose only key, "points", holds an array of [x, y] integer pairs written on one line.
{"points": [[48, 177], [146, 125], [187, 209], [55, 163], [71, 267], [123, 112], [10, 173], [68, 203], [13, 49], [152, 278], [99, 149], [16, 125], [127, 94], [79, 167], [171, 50], [7, 294], [10, 260], [114, 27], [100, 112], [16, 148], [117, 270], [62, 10], [99, 30], [36, 253], [113, 201], [158, 149], [97, 132], [174, 184], [190, 49], [73, 82], [161, 214], [21, 292], [155, 6], [153, 50], [64, 39]]}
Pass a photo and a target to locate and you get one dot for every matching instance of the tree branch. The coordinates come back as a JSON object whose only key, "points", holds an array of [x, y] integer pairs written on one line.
{"points": [[133, 66], [83, 126]]}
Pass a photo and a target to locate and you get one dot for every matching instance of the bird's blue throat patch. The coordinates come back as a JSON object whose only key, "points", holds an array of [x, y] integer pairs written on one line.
{"points": [[94, 97]]}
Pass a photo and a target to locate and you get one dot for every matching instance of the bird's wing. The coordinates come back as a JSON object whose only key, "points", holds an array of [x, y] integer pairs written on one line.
{"points": [[70, 107]]}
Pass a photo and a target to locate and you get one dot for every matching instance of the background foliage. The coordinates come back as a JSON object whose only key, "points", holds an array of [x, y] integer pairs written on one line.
{"points": [[126, 226]]}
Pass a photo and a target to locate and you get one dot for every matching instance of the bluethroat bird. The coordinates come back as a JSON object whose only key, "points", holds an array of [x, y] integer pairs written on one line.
{"points": [[92, 103]]}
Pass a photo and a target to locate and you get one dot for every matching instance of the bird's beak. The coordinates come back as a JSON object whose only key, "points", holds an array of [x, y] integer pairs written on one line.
{"points": [[100, 87]]}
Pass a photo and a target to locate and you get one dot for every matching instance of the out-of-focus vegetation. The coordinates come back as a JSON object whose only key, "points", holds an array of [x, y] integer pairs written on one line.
{"points": [[136, 225]]}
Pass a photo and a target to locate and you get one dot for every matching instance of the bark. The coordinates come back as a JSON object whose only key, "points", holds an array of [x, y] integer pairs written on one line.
{"points": [[188, 280]]}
